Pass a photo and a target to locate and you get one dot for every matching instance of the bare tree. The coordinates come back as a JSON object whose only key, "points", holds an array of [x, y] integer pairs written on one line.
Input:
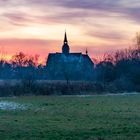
{"points": [[18, 60], [137, 40]]}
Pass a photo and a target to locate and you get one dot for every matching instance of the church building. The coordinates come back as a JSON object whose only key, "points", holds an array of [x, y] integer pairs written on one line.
{"points": [[69, 66]]}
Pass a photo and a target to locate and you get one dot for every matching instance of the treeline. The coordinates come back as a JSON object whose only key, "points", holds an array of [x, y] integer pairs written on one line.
{"points": [[117, 72], [120, 71], [22, 66]]}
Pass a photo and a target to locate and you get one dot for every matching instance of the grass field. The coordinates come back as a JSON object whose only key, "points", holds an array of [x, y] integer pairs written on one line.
{"points": [[72, 118]]}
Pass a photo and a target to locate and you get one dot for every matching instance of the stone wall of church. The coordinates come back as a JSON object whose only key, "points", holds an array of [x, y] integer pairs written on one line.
{"points": [[71, 71]]}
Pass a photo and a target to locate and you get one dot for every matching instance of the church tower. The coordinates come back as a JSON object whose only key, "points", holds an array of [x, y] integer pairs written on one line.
{"points": [[65, 47]]}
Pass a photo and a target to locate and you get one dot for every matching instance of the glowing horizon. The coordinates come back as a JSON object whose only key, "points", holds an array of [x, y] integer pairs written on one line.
{"points": [[38, 26]]}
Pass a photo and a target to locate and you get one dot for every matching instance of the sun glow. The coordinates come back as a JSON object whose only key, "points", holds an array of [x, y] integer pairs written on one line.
{"points": [[37, 27]]}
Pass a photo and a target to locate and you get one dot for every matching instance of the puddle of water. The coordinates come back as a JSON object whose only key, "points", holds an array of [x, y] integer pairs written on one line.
{"points": [[8, 105]]}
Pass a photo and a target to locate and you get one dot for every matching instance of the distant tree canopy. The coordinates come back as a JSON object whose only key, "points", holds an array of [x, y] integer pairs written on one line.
{"points": [[118, 71], [21, 66], [22, 60], [121, 69]]}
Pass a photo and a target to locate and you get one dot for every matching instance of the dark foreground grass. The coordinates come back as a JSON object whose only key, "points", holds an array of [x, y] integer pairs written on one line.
{"points": [[73, 118]]}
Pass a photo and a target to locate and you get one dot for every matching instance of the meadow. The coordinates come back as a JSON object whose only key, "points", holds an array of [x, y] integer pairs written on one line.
{"points": [[96, 117]]}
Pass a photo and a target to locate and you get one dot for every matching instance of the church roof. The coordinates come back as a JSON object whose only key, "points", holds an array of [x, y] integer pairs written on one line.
{"points": [[87, 58], [60, 57], [72, 57]]}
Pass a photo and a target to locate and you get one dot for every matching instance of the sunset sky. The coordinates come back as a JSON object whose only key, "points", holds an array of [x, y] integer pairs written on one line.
{"points": [[38, 26]]}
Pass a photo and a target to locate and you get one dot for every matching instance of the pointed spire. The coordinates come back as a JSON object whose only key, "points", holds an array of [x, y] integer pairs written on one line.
{"points": [[65, 47], [65, 38]]}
